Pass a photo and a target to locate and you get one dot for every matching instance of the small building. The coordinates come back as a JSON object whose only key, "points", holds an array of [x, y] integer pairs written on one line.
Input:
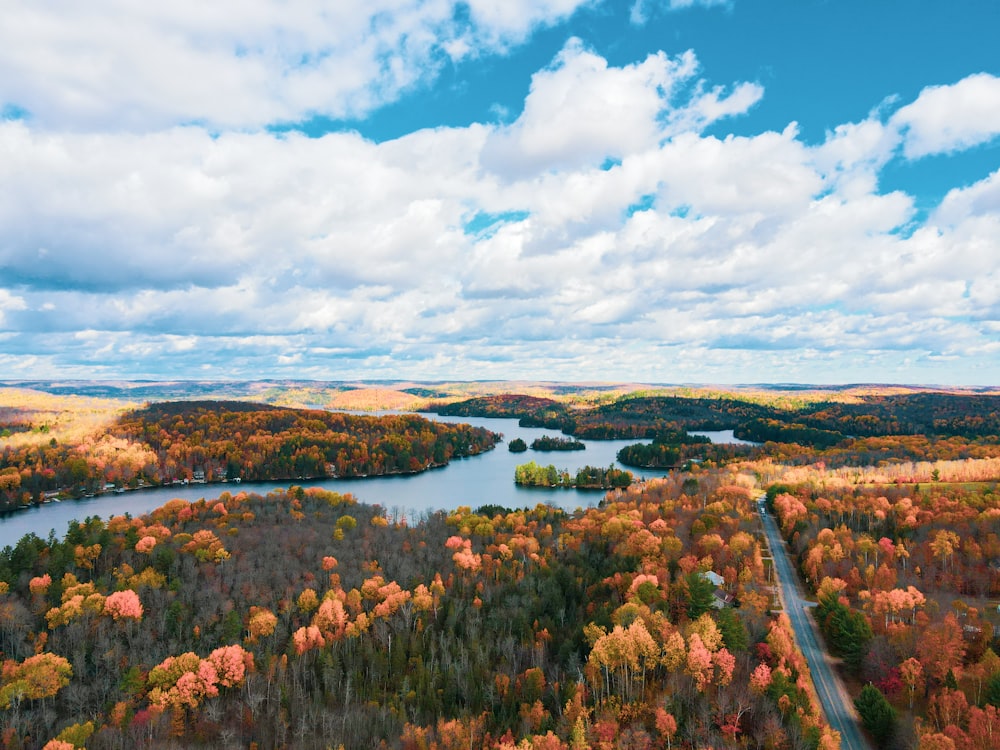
{"points": [[715, 578], [722, 599]]}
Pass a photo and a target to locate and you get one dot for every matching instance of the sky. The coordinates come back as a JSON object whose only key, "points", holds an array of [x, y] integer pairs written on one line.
{"points": [[660, 191]]}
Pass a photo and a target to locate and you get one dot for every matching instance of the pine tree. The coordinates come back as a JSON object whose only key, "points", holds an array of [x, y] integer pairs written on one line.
{"points": [[700, 595], [878, 716]]}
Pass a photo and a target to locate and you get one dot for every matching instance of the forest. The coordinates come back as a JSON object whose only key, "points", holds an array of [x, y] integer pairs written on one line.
{"points": [[629, 416], [304, 619], [218, 440], [821, 421], [675, 449], [907, 579]]}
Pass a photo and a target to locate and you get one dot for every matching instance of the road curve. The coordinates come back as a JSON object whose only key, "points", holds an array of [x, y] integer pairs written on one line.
{"points": [[832, 695]]}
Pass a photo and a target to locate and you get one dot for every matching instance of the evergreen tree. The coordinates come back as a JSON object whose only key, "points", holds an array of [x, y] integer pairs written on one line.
{"points": [[993, 691], [734, 632], [846, 630], [878, 716], [700, 594]]}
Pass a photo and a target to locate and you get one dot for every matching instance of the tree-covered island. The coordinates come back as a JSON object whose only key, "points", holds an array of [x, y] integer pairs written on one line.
{"points": [[588, 477]]}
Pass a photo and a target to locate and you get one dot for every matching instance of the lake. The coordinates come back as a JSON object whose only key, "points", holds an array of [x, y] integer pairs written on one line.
{"points": [[478, 480], [724, 436]]}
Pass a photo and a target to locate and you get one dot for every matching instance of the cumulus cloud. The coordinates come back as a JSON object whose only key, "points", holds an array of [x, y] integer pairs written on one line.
{"points": [[600, 235], [978, 201], [182, 207], [240, 64], [581, 112], [950, 118]]}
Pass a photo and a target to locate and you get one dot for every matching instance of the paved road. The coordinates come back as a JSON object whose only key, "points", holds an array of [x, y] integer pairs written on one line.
{"points": [[836, 703]]}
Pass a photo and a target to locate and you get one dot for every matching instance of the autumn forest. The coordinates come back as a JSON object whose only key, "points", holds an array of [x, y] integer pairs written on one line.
{"points": [[307, 619]]}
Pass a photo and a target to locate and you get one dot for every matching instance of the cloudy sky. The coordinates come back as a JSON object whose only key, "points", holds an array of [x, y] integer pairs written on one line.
{"points": [[715, 191]]}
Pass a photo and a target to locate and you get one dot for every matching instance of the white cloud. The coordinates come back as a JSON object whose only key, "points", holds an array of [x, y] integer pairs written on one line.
{"points": [[981, 200], [769, 173], [513, 19], [950, 118], [10, 302], [853, 154], [261, 253], [581, 112], [713, 105], [141, 66]]}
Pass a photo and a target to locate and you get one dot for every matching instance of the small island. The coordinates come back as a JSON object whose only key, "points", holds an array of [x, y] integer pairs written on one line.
{"points": [[517, 445], [670, 449], [546, 443], [587, 478]]}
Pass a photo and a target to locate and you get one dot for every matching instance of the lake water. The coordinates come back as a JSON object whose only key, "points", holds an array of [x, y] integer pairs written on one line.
{"points": [[478, 480], [724, 436]]}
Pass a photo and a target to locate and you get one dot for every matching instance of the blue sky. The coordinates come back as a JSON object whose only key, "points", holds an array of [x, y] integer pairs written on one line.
{"points": [[662, 191]]}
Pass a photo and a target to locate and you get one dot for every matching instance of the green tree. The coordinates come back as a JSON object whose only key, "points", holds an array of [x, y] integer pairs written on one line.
{"points": [[878, 716], [846, 630], [993, 691], [851, 635], [734, 632], [700, 594]]}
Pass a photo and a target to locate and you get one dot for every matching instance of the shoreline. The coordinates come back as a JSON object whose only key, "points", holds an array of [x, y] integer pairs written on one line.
{"points": [[174, 484]]}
